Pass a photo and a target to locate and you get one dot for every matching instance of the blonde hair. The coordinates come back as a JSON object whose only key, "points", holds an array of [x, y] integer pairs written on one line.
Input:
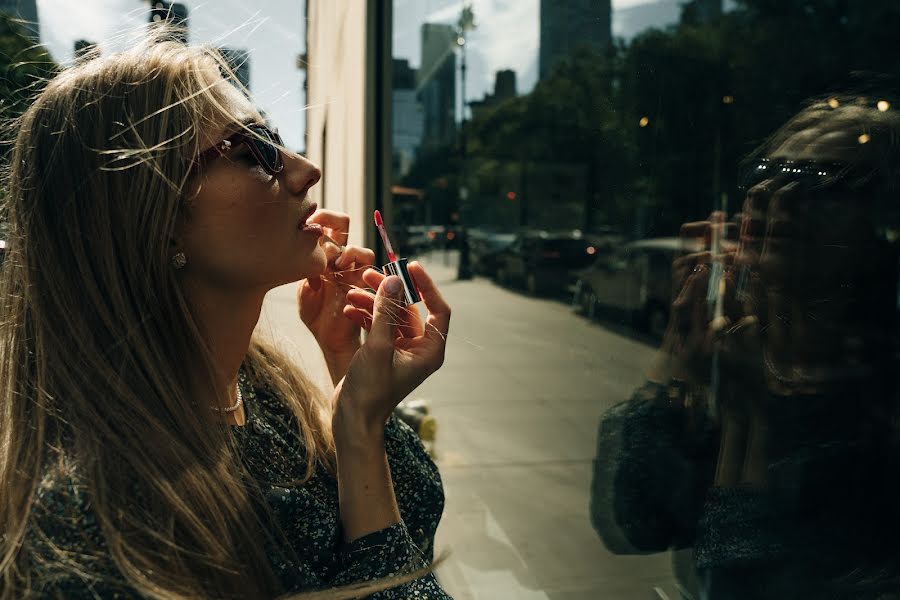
{"points": [[97, 340]]}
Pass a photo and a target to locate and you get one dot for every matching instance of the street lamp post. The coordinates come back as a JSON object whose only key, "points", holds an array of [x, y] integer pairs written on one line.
{"points": [[465, 24]]}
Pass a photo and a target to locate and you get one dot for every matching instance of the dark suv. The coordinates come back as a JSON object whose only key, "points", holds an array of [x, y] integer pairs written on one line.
{"points": [[544, 262]]}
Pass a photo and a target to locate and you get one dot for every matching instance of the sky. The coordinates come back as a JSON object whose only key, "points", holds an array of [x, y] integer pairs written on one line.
{"points": [[271, 29], [507, 37]]}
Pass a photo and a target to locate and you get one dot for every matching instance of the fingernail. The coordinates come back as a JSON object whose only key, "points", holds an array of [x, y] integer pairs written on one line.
{"points": [[392, 285]]}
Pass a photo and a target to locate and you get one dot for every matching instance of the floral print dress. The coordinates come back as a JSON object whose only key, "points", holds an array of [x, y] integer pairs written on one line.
{"points": [[308, 516]]}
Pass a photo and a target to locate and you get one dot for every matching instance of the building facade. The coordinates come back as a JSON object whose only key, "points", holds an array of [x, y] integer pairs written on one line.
{"points": [[349, 122], [567, 25]]}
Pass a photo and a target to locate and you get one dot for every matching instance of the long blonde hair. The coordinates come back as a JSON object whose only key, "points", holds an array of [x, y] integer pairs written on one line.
{"points": [[97, 340]]}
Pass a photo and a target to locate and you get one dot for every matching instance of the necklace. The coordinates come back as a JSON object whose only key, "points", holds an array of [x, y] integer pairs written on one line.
{"points": [[235, 406]]}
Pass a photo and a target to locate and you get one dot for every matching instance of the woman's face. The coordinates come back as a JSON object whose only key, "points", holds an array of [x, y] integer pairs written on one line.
{"points": [[815, 249], [245, 226]]}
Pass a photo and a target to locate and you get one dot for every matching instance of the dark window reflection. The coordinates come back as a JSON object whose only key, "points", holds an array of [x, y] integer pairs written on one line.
{"points": [[723, 186]]}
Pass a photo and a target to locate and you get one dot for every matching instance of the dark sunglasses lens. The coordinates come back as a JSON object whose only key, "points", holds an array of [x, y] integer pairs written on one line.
{"points": [[267, 148]]}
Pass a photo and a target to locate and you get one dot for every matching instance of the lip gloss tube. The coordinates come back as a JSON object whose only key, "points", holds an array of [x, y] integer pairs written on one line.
{"points": [[397, 266]]}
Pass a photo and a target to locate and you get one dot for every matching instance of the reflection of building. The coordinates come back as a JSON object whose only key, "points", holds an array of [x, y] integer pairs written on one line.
{"points": [[504, 89], [629, 22], [568, 24], [175, 13], [26, 12], [437, 84], [409, 119], [84, 48], [239, 62]]}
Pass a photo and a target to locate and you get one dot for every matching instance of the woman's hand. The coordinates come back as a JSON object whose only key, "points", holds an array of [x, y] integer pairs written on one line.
{"points": [[400, 351], [321, 300], [693, 328]]}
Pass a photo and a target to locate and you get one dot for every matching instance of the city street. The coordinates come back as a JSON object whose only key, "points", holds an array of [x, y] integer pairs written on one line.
{"points": [[517, 404]]}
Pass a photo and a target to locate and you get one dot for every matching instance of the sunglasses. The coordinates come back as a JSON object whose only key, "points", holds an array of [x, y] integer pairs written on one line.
{"points": [[264, 145], [809, 174]]}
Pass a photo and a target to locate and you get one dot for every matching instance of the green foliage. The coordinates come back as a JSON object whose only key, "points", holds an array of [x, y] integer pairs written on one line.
{"points": [[24, 67]]}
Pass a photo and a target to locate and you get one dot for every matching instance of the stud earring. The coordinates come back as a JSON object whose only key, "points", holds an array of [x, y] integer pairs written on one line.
{"points": [[179, 260]]}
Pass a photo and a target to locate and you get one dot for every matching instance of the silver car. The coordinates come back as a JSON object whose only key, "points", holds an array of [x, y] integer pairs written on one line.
{"points": [[635, 279]]}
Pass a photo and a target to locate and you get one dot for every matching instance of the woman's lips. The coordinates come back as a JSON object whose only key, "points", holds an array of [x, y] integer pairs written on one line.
{"points": [[307, 214], [307, 227]]}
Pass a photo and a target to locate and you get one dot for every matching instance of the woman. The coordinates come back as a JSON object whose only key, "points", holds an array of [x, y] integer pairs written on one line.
{"points": [[151, 444], [764, 438]]}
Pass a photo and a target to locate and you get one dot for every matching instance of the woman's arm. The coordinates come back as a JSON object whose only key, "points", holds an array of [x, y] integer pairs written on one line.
{"points": [[400, 352], [365, 490], [653, 465]]}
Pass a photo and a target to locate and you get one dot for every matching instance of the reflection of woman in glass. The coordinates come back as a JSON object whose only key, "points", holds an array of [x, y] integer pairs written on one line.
{"points": [[150, 444], [764, 438]]}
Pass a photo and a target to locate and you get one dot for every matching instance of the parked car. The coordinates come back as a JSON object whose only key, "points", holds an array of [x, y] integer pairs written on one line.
{"points": [[544, 262], [635, 279], [485, 248]]}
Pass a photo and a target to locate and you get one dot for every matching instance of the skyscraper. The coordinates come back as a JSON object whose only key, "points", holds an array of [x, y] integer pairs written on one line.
{"points": [[436, 87], [175, 13], [408, 121], [26, 12], [504, 89], [238, 61], [569, 24]]}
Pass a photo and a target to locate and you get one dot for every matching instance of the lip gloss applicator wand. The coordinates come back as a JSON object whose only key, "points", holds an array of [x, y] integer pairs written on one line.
{"points": [[397, 266]]}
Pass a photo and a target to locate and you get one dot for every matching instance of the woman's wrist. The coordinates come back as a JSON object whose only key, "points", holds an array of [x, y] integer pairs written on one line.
{"points": [[338, 361], [355, 432]]}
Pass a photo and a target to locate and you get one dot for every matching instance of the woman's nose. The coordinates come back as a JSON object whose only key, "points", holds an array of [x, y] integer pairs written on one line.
{"points": [[300, 174]]}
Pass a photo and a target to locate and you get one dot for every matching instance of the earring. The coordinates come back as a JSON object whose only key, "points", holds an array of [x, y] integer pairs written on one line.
{"points": [[178, 261]]}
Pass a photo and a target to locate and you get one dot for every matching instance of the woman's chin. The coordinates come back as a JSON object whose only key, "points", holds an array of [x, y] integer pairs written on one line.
{"points": [[314, 266]]}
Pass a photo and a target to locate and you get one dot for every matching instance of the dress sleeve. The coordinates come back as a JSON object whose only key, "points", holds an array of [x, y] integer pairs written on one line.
{"points": [[417, 484], [650, 474], [384, 554], [408, 545]]}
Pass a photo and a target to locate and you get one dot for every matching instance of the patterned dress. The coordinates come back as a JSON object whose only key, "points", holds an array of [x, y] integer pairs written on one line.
{"points": [[308, 516]]}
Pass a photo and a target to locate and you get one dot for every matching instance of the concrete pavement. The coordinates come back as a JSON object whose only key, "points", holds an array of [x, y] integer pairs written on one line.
{"points": [[517, 403]]}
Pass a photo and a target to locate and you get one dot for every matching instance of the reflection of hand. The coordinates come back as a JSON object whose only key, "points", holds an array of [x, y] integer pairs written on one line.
{"points": [[400, 351], [321, 300], [693, 328], [697, 331]]}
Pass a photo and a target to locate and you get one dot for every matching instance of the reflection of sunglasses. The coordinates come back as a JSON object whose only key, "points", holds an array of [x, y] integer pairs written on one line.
{"points": [[263, 143], [809, 173]]}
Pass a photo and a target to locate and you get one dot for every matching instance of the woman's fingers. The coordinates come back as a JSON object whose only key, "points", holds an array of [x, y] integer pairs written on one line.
{"points": [[361, 257], [407, 319], [362, 318], [381, 334], [695, 237], [438, 322], [337, 223], [373, 278]]}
